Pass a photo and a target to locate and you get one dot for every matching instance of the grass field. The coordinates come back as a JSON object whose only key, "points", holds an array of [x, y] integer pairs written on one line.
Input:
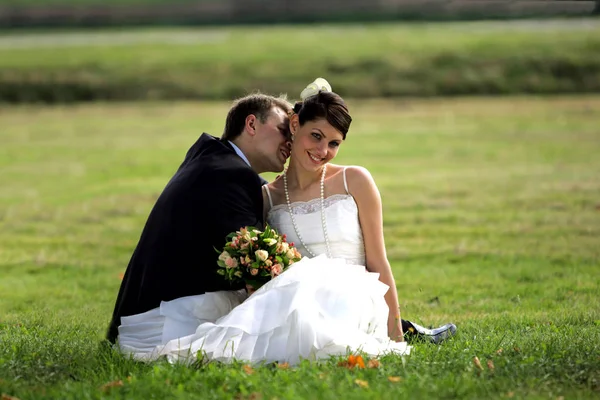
{"points": [[372, 60], [492, 221]]}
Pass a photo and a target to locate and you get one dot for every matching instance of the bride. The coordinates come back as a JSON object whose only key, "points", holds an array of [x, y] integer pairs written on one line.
{"points": [[341, 297]]}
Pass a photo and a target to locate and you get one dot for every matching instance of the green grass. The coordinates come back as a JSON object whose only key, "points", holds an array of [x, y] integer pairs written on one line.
{"points": [[492, 220], [375, 60]]}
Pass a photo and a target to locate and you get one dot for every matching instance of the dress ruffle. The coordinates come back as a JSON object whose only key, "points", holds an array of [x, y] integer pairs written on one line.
{"points": [[319, 307]]}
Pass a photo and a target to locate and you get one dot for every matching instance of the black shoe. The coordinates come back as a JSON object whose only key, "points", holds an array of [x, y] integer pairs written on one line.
{"points": [[413, 331]]}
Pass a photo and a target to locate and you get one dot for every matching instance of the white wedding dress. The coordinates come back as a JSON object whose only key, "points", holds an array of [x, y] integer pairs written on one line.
{"points": [[319, 307]]}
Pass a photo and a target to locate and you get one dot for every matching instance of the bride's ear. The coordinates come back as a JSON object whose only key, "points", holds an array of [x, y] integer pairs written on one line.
{"points": [[294, 124]]}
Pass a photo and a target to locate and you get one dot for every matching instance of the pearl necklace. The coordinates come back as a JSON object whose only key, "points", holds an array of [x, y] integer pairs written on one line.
{"points": [[323, 218]]}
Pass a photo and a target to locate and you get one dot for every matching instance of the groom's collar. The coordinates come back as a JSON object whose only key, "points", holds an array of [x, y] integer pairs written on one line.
{"points": [[239, 153]]}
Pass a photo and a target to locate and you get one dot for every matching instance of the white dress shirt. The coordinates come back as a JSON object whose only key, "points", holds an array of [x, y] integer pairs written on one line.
{"points": [[239, 153]]}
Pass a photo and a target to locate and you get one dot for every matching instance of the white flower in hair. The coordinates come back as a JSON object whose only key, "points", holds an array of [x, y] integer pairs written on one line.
{"points": [[314, 87]]}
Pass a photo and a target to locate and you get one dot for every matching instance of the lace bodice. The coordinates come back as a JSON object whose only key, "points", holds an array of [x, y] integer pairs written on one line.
{"points": [[343, 227]]}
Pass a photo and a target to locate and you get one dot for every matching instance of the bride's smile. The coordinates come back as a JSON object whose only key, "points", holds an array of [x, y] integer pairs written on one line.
{"points": [[317, 160], [315, 144]]}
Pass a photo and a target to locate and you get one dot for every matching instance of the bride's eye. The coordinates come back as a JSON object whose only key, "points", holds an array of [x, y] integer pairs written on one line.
{"points": [[334, 144], [317, 135]]}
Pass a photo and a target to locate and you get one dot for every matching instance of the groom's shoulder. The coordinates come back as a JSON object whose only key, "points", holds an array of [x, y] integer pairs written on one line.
{"points": [[227, 165], [211, 152], [208, 145]]}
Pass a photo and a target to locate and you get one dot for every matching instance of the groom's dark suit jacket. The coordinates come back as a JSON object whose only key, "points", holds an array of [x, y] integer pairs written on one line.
{"points": [[213, 193]]}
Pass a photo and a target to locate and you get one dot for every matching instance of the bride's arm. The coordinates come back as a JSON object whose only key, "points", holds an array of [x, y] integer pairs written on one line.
{"points": [[366, 194]]}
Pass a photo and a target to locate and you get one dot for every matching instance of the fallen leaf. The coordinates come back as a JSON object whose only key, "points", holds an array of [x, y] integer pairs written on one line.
{"points": [[499, 351], [510, 394], [490, 365], [248, 369], [360, 363], [121, 276], [322, 375], [394, 379], [8, 397], [352, 361], [283, 365], [361, 383], [373, 363], [516, 349], [560, 398], [477, 363], [111, 385]]}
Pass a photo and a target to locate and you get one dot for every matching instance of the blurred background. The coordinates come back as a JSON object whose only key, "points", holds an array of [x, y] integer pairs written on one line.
{"points": [[81, 50]]}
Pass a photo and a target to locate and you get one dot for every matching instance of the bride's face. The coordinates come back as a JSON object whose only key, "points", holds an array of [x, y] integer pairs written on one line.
{"points": [[315, 143]]}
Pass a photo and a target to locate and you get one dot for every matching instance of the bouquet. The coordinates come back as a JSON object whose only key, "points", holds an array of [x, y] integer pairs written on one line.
{"points": [[255, 257]]}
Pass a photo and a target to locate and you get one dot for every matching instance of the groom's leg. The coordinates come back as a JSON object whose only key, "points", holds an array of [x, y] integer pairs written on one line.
{"points": [[435, 335]]}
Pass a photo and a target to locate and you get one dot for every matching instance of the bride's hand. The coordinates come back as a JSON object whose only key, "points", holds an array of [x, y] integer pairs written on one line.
{"points": [[250, 290], [395, 329]]}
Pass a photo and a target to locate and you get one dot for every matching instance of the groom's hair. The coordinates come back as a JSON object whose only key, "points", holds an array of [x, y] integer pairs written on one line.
{"points": [[257, 104]]}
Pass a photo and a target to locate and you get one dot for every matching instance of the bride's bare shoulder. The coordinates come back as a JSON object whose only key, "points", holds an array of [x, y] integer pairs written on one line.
{"points": [[275, 189], [354, 173], [276, 184], [358, 177]]}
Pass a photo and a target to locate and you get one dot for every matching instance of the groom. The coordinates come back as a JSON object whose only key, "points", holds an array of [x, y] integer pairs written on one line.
{"points": [[215, 191]]}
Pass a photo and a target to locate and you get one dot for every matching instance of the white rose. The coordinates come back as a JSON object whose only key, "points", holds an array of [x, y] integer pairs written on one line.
{"points": [[284, 247], [270, 242], [290, 254], [262, 255], [224, 256]]}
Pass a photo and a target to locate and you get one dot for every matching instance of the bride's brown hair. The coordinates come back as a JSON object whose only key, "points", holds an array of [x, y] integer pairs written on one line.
{"points": [[325, 105]]}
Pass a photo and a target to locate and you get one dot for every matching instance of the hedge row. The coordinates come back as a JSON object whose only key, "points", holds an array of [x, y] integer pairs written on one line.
{"points": [[381, 61]]}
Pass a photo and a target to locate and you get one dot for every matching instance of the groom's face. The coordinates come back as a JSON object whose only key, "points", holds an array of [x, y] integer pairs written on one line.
{"points": [[273, 146]]}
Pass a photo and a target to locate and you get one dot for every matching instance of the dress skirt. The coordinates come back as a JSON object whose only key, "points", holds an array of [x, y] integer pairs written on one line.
{"points": [[318, 308]]}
